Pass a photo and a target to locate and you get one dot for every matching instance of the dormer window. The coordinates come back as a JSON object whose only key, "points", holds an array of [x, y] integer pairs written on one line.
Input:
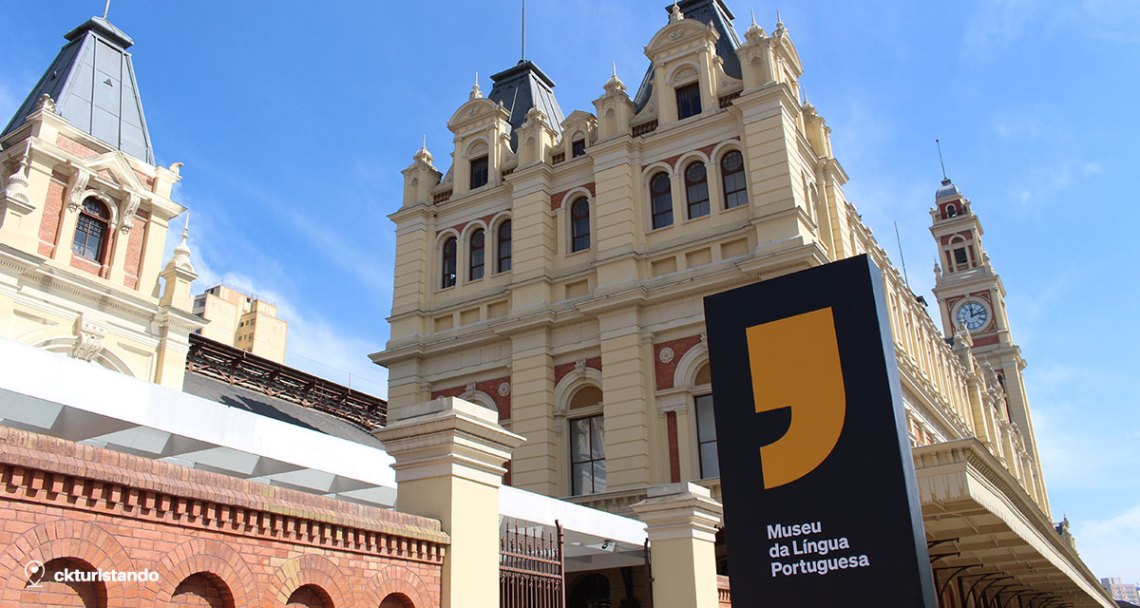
{"points": [[479, 172], [577, 148], [91, 231], [688, 101]]}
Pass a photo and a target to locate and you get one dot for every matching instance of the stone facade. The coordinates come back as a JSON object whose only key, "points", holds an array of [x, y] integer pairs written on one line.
{"points": [[212, 540]]}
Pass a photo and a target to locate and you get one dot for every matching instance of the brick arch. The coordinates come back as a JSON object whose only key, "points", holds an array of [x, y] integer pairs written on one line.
{"points": [[396, 579], [67, 539], [310, 570], [204, 556]]}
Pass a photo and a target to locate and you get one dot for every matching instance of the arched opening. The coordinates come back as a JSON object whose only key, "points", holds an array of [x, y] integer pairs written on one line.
{"points": [[732, 179], [92, 231], [42, 588], [587, 442], [697, 189], [476, 255], [309, 596], [580, 225], [202, 590], [593, 591], [447, 268], [397, 600], [660, 200], [504, 246]]}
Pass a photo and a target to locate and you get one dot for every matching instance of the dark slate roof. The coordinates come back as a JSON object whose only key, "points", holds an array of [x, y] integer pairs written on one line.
{"points": [[521, 88], [92, 81], [231, 395], [705, 11]]}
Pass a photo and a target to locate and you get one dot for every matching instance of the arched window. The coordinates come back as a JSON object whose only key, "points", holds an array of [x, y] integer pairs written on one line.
{"points": [[449, 261], [587, 444], [91, 230], [203, 589], [661, 200], [732, 177], [580, 225], [688, 101], [697, 190], [577, 148], [475, 255], [504, 243], [951, 210], [961, 258]]}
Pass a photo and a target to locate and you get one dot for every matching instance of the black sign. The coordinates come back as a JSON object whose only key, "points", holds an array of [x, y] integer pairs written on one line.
{"points": [[820, 502]]}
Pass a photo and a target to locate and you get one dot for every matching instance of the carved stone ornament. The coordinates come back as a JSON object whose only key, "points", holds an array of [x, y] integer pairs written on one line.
{"points": [[46, 104], [666, 355], [468, 391], [16, 186], [677, 34], [580, 367], [128, 217], [78, 188], [504, 389], [88, 339]]}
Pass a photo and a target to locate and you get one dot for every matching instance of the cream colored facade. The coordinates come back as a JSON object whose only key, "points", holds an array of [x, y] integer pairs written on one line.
{"points": [[242, 321], [125, 310], [622, 317]]}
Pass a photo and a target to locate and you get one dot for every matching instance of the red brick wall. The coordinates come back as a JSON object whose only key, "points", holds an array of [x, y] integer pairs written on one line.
{"points": [[257, 543], [663, 372], [135, 245], [490, 387], [53, 213]]}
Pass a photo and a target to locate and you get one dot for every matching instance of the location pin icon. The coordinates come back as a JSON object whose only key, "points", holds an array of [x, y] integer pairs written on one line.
{"points": [[35, 572]]}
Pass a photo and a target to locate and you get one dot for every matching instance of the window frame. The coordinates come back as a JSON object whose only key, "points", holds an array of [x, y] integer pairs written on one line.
{"points": [[660, 201], [690, 184], [686, 94], [594, 421], [503, 241], [700, 400], [727, 192], [476, 246], [577, 148], [480, 169], [449, 259], [580, 241], [85, 223]]}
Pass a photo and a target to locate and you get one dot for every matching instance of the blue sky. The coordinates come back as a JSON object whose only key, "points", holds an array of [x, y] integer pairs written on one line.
{"points": [[294, 120]]}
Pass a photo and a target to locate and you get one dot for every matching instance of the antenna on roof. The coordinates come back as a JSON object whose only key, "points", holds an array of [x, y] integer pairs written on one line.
{"points": [[902, 258], [940, 161], [106, 9], [523, 30]]}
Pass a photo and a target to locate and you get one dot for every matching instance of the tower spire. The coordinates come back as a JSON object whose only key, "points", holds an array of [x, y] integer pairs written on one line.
{"points": [[945, 179], [106, 8], [523, 53]]}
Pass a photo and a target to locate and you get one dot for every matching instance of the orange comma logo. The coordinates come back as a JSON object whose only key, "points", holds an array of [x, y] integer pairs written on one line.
{"points": [[795, 365]]}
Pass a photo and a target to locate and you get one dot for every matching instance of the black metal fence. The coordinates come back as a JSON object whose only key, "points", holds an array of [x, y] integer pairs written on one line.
{"points": [[531, 568]]}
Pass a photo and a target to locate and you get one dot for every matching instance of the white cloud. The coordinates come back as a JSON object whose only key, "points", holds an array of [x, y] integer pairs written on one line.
{"points": [[1109, 546]]}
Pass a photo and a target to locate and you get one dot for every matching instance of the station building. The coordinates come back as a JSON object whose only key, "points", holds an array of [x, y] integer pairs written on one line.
{"points": [[547, 312]]}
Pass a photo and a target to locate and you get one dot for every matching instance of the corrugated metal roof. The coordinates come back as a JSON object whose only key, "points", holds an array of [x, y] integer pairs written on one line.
{"points": [[92, 81], [521, 88], [715, 12]]}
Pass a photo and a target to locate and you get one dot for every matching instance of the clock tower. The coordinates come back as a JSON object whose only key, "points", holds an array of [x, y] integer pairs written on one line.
{"points": [[971, 298]]}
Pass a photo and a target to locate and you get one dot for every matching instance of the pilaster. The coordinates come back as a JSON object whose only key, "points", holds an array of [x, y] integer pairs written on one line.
{"points": [[626, 386], [449, 466], [536, 464], [680, 520]]}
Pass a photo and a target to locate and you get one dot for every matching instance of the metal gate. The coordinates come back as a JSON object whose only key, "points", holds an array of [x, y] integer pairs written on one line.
{"points": [[531, 568]]}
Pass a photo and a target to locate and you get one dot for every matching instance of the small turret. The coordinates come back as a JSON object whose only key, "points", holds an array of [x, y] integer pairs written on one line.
{"points": [[179, 274], [420, 177]]}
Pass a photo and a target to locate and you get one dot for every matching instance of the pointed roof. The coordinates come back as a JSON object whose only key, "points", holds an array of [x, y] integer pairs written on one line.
{"points": [[92, 82], [521, 88], [715, 12]]}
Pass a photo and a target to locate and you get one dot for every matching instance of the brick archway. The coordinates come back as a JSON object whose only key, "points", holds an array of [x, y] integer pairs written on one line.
{"points": [[64, 539], [397, 580], [310, 570], [204, 556]]}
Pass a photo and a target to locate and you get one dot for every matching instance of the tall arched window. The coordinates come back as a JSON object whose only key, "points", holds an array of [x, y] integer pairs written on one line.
{"points": [[580, 225], [661, 200], [504, 243], [697, 189], [476, 256], [92, 230], [732, 177], [450, 247]]}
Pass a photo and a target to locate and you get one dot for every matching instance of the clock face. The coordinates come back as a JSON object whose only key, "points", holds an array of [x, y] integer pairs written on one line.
{"points": [[973, 314]]}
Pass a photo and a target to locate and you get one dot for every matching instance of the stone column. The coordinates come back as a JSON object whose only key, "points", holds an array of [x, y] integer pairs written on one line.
{"points": [[680, 520], [449, 466]]}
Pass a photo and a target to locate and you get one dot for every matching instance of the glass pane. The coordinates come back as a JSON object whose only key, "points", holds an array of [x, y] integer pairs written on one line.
{"points": [[580, 440], [710, 466], [580, 479], [706, 427], [599, 476], [597, 438]]}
